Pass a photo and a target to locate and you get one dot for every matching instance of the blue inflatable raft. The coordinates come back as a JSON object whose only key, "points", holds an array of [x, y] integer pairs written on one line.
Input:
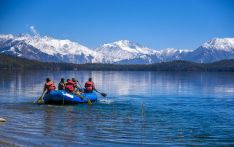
{"points": [[63, 97]]}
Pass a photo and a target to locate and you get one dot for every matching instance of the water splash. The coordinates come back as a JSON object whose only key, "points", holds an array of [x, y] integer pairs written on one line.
{"points": [[106, 101]]}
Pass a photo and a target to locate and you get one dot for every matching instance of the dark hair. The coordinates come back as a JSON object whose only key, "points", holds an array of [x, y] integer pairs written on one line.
{"points": [[62, 79], [48, 79], [74, 80], [68, 80], [90, 79]]}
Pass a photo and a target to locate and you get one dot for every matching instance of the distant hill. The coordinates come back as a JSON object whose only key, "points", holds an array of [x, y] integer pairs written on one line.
{"points": [[9, 62], [17, 63]]}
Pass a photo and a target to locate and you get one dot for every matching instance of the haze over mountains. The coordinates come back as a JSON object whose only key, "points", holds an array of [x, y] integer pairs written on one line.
{"points": [[44, 48]]}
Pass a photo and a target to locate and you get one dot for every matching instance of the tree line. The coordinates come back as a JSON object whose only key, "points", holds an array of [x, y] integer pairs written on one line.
{"points": [[8, 62]]}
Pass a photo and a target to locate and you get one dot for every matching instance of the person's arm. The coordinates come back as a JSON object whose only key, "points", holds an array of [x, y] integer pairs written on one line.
{"points": [[77, 87], [44, 88], [94, 87]]}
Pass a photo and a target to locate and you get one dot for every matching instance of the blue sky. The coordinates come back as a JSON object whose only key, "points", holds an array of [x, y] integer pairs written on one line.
{"points": [[158, 24]]}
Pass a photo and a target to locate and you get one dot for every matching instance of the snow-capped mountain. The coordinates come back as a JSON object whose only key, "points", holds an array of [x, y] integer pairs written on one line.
{"points": [[213, 50], [56, 50], [170, 54], [125, 51], [224, 44], [120, 52]]}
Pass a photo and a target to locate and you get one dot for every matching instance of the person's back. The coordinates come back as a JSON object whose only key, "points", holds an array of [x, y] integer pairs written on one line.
{"points": [[70, 86], [49, 86], [89, 86], [61, 85]]}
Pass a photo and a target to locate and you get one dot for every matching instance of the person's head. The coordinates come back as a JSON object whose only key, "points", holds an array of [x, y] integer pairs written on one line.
{"points": [[62, 80], [68, 80], [74, 80], [48, 79], [90, 79]]}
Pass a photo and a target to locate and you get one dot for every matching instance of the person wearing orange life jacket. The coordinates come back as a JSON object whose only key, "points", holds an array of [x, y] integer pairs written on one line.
{"points": [[70, 86], [49, 86], [89, 86]]}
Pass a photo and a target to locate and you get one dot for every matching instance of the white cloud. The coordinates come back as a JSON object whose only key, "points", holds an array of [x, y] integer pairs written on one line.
{"points": [[33, 30]]}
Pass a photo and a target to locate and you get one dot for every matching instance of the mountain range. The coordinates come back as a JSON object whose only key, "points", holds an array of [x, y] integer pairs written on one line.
{"points": [[49, 49]]}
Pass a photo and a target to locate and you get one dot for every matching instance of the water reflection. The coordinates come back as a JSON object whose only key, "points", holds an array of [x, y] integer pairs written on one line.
{"points": [[29, 84], [154, 108]]}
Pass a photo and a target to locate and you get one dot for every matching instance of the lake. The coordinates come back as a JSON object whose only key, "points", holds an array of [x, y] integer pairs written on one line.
{"points": [[142, 108]]}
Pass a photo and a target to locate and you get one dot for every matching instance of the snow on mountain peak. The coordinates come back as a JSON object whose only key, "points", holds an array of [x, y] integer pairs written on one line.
{"points": [[169, 50], [8, 36], [126, 50], [53, 46], [226, 44], [57, 47], [128, 46], [127, 43], [47, 48]]}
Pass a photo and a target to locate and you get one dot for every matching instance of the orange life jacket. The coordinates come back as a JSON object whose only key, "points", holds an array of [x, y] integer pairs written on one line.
{"points": [[70, 86], [89, 85], [50, 86]]}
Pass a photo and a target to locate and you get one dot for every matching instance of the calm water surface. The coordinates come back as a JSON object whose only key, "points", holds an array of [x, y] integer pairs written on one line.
{"points": [[142, 109]]}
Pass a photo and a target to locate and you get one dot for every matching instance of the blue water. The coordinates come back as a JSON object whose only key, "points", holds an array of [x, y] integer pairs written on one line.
{"points": [[142, 108]]}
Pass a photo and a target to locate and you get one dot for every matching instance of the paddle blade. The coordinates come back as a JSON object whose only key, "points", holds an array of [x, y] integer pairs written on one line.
{"points": [[103, 94], [89, 102], [79, 95], [40, 100]]}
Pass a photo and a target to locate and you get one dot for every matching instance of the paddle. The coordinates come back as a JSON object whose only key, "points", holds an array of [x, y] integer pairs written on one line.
{"points": [[79, 84], [103, 94], [40, 99], [89, 101]]}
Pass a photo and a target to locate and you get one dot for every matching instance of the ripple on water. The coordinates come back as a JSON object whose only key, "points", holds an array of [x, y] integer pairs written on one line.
{"points": [[156, 109]]}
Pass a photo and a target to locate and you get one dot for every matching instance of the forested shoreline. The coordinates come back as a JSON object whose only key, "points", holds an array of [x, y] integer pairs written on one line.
{"points": [[8, 62]]}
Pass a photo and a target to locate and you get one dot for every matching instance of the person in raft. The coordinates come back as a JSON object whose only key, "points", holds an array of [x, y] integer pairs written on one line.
{"points": [[61, 85], [76, 86], [49, 86], [70, 86], [89, 86]]}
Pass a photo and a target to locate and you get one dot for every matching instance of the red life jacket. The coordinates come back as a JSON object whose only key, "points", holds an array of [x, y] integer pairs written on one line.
{"points": [[50, 86], [89, 85], [70, 86]]}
